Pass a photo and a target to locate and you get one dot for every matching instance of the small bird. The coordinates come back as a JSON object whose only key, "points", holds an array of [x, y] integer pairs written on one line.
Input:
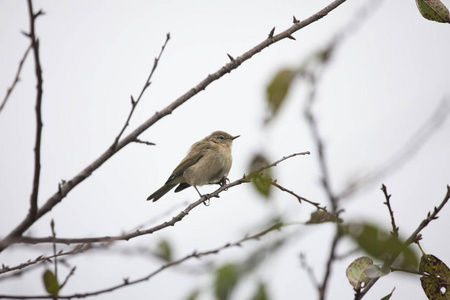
{"points": [[208, 162]]}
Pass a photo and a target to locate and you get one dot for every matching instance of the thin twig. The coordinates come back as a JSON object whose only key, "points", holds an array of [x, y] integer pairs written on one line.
{"points": [[55, 261], [227, 68], [134, 103], [394, 231], [32, 214], [299, 198], [144, 142], [309, 270], [323, 287], [412, 238], [72, 271], [16, 79], [80, 248]]}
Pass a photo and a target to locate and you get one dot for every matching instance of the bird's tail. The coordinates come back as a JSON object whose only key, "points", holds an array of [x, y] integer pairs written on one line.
{"points": [[161, 192]]}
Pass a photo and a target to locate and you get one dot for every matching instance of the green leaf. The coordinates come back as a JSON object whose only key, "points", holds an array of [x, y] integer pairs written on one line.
{"points": [[387, 297], [320, 216], [51, 283], [380, 243], [437, 284], [226, 278], [278, 89], [261, 181], [193, 295], [164, 251], [355, 272], [433, 10], [260, 293]]}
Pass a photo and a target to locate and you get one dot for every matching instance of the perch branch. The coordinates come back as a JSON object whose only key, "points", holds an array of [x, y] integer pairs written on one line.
{"points": [[136, 233]]}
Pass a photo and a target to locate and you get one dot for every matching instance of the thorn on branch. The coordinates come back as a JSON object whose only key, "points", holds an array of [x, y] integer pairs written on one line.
{"points": [[294, 20], [271, 33], [39, 13], [133, 102], [291, 37], [26, 34], [230, 57]]}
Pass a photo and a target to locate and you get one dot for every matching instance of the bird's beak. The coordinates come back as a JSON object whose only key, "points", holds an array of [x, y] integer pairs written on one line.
{"points": [[235, 137]]}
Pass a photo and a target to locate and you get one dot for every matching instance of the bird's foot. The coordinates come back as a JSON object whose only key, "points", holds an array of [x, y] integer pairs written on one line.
{"points": [[224, 181]]}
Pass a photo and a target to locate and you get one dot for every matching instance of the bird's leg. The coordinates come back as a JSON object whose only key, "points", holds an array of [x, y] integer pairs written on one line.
{"points": [[206, 202]]}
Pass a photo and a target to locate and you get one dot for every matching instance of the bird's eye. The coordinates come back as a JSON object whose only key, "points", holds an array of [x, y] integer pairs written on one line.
{"points": [[221, 137]]}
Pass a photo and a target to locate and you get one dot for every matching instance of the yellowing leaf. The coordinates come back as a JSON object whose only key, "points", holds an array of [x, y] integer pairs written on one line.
{"points": [[436, 284], [433, 10], [355, 272]]}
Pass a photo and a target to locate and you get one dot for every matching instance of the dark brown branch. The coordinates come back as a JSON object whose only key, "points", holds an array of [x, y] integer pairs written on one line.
{"points": [[331, 258], [80, 248], [412, 238], [144, 142], [277, 162], [127, 282], [32, 214], [134, 103], [394, 231], [66, 188], [136, 233], [299, 198], [55, 260], [325, 180], [16, 79]]}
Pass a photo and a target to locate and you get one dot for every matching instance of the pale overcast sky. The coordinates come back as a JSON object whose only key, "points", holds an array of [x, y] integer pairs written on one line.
{"points": [[384, 82]]}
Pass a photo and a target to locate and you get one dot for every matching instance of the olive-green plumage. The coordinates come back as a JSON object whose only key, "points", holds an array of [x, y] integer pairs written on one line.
{"points": [[208, 162]]}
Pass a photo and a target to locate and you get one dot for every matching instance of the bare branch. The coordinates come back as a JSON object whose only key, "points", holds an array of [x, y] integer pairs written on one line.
{"points": [[72, 271], [134, 103], [32, 214], [59, 195], [391, 212], [309, 270], [55, 261], [332, 256], [300, 198], [16, 79], [144, 142], [80, 248]]}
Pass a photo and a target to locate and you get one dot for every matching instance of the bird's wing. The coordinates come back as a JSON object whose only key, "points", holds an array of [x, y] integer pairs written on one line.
{"points": [[188, 161]]}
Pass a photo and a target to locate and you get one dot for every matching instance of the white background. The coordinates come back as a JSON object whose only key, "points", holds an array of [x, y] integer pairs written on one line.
{"points": [[384, 82]]}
